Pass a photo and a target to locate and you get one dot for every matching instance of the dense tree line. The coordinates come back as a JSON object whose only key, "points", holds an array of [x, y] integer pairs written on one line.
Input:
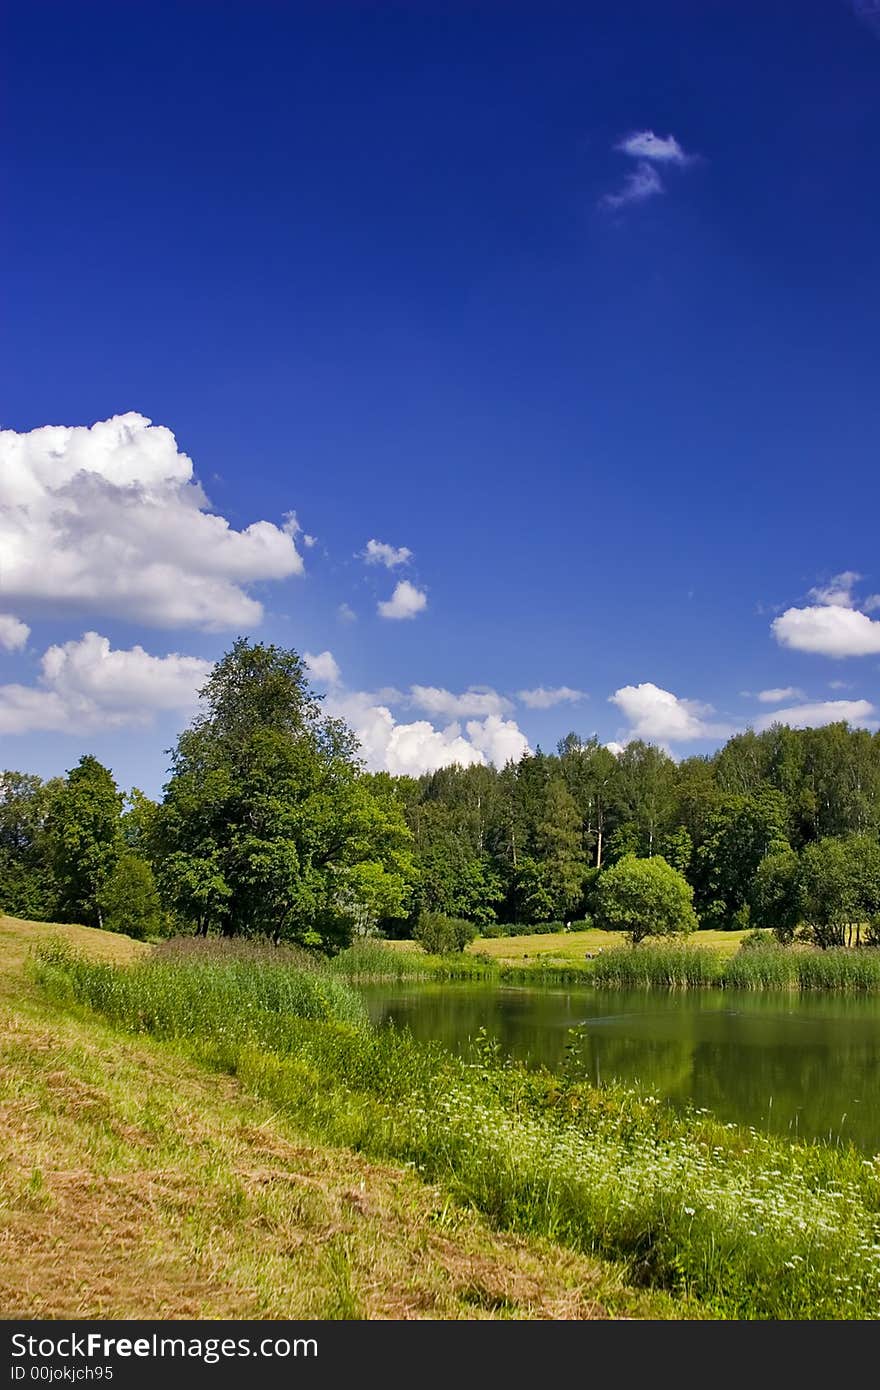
{"points": [[269, 825]]}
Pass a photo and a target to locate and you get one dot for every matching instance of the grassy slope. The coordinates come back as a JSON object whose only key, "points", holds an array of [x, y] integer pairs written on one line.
{"points": [[574, 946], [135, 1184]]}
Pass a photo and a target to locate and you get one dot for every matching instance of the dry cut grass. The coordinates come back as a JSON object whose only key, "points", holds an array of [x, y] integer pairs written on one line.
{"points": [[135, 1184]]}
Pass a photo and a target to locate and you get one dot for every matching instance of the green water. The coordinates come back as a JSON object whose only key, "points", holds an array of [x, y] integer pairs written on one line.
{"points": [[806, 1067]]}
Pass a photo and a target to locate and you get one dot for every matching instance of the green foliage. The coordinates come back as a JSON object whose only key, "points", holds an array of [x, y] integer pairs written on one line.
{"points": [[441, 935], [840, 888], [27, 880], [754, 1226], [776, 900], [739, 833], [268, 826], [84, 832], [129, 900], [644, 897]]}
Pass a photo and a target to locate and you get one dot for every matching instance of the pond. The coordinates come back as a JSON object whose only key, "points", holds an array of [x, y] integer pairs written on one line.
{"points": [[801, 1066]]}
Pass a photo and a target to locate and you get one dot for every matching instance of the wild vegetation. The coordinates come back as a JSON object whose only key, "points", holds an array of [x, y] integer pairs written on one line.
{"points": [[135, 1183], [269, 827], [747, 1225]]}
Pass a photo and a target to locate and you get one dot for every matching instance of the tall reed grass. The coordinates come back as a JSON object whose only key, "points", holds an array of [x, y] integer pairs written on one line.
{"points": [[754, 1227], [656, 967]]}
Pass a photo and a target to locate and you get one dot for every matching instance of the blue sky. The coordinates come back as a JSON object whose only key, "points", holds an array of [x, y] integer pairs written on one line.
{"points": [[575, 303]]}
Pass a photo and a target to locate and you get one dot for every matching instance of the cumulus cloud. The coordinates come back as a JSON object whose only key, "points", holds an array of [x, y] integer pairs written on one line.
{"points": [[834, 624], [656, 714], [780, 692], [380, 553], [86, 684], [822, 712], [405, 602], [828, 630], [642, 183], [543, 698], [644, 144], [615, 748], [13, 632], [110, 518], [477, 700], [501, 740], [411, 748], [323, 667]]}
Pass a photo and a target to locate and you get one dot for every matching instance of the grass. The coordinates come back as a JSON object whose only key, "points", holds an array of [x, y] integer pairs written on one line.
{"points": [[565, 947], [135, 1183], [747, 1225]]}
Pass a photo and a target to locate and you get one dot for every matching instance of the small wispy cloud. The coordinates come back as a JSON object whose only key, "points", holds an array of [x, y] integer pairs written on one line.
{"points": [[780, 692], [644, 144], [644, 182], [543, 698], [380, 553]]}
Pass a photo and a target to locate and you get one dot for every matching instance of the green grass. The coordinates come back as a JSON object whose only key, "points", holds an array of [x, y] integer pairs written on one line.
{"points": [[748, 1225], [577, 947], [137, 1183], [655, 966]]}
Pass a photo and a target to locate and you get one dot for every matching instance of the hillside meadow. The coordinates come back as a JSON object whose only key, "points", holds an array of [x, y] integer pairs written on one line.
{"points": [[136, 1182]]}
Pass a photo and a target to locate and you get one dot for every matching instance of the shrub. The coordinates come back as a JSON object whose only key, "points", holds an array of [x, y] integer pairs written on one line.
{"points": [[441, 936], [645, 897]]}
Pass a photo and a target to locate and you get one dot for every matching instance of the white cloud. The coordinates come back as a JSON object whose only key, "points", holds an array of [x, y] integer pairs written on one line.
{"points": [[323, 667], [821, 712], [839, 685], [828, 630], [644, 182], [476, 700], [109, 518], [542, 698], [380, 553], [644, 144], [615, 748], [837, 593], [501, 740], [658, 714], [405, 602], [871, 603], [416, 747], [85, 684], [346, 614], [787, 692], [13, 632]]}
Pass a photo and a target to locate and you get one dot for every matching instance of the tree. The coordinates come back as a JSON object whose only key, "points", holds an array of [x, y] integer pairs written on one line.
{"points": [[775, 899], [85, 835], [27, 881], [560, 849], [644, 897], [129, 899], [840, 887], [268, 825], [739, 833]]}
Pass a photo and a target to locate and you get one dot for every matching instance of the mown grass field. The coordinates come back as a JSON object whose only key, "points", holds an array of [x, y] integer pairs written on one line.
{"points": [[575, 946], [134, 1182]]}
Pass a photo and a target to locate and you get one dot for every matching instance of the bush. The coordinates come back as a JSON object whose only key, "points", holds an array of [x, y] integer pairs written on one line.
{"points": [[645, 897], [441, 936]]}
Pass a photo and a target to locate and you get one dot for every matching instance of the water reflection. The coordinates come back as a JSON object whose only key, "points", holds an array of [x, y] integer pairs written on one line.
{"points": [[797, 1066]]}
